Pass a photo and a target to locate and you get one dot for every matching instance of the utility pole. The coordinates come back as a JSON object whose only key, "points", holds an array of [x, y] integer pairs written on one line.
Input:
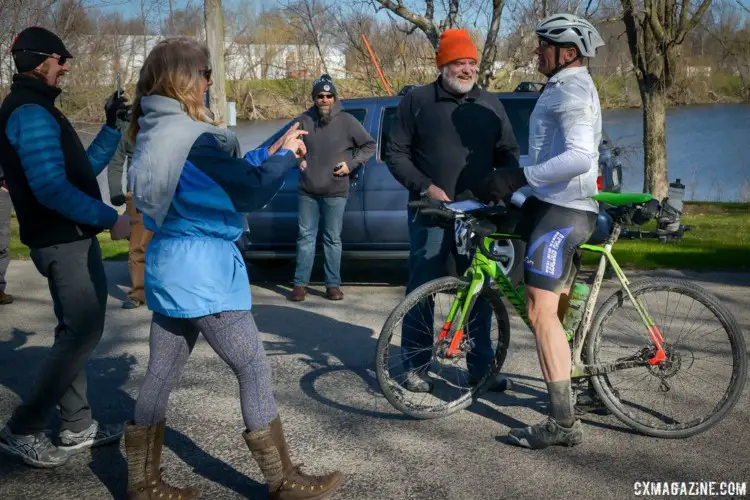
{"points": [[214, 20]]}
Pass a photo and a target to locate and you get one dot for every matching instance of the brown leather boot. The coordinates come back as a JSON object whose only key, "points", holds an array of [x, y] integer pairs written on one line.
{"points": [[143, 449], [285, 480], [298, 294], [334, 293]]}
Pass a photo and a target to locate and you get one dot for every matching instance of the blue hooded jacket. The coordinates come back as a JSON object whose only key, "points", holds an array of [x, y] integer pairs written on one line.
{"points": [[193, 267]]}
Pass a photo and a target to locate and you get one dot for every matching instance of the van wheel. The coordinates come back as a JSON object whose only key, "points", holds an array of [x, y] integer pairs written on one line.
{"points": [[512, 253]]}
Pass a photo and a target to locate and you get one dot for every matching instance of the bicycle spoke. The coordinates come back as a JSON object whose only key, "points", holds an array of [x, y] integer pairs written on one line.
{"points": [[694, 386]]}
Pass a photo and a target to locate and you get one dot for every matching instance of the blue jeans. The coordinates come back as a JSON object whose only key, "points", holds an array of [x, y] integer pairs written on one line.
{"points": [[311, 208], [430, 249]]}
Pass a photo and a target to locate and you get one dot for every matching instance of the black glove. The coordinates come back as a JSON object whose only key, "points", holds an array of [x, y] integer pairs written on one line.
{"points": [[500, 185], [112, 106], [118, 200]]}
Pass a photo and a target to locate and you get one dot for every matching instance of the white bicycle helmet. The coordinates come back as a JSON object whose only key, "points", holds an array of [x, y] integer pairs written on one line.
{"points": [[569, 29]]}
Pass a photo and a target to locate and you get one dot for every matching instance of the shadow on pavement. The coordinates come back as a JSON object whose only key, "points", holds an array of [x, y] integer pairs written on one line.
{"points": [[108, 377]]}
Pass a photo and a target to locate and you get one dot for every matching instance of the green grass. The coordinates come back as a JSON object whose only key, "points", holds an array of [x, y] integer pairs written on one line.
{"points": [[111, 250], [719, 239]]}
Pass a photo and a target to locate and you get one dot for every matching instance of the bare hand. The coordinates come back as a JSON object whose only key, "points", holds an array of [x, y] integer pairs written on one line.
{"points": [[302, 165], [121, 229], [341, 169], [293, 142], [3, 188], [435, 193], [276, 145]]}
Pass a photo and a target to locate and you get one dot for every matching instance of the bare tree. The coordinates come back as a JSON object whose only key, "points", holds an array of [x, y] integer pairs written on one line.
{"points": [[314, 17], [656, 31], [432, 29]]}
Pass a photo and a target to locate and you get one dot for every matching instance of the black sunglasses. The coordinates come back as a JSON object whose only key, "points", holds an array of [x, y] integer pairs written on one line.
{"points": [[324, 96], [206, 73], [60, 59]]}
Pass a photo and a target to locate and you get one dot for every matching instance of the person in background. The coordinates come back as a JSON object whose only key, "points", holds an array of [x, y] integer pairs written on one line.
{"points": [[139, 236], [5, 211], [337, 144], [52, 182], [193, 188], [447, 136]]}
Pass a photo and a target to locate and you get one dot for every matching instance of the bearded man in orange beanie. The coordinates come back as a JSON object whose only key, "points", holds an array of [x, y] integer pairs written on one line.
{"points": [[448, 136]]}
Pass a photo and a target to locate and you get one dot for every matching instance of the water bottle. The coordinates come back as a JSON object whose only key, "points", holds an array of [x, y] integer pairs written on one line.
{"points": [[675, 195], [573, 316]]}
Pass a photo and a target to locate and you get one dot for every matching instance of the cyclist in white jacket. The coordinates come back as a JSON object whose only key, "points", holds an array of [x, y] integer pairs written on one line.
{"points": [[559, 214]]}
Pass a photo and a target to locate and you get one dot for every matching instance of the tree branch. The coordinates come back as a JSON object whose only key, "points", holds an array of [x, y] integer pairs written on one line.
{"points": [[429, 12], [653, 22], [694, 21], [424, 23], [629, 19]]}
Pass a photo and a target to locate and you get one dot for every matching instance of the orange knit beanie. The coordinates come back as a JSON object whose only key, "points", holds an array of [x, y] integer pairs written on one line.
{"points": [[455, 44]]}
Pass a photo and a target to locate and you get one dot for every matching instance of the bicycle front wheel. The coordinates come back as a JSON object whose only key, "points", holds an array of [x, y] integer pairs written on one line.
{"points": [[410, 343], [705, 367]]}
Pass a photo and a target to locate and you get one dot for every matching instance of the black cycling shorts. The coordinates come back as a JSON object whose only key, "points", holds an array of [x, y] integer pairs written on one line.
{"points": [[553, 235]]}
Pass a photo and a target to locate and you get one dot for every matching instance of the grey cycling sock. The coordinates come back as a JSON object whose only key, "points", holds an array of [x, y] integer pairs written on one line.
{"points": [[561, 402]]}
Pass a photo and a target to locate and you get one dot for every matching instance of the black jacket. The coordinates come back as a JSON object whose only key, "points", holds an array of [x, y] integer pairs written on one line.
{"points": [[40, 226], [342, 139], [452, 142]]}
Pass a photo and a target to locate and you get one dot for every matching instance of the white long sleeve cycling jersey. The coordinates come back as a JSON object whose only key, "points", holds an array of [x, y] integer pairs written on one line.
{"points": [[564, 136]]}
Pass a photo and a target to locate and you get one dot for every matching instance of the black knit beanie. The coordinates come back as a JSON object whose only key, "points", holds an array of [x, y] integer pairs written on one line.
{"points": [[323, 84], [30, 42]]}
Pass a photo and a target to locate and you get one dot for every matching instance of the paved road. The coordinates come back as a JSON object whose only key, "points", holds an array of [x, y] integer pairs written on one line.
{"points": [[321, 353]]}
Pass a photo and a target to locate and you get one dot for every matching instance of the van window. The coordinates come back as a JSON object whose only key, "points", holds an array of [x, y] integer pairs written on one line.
{"points": [[359, 114], [389, 119], [519, 114]]}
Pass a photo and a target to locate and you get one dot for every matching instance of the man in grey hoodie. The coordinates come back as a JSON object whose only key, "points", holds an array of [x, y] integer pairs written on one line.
{"points": [[337, 144]]}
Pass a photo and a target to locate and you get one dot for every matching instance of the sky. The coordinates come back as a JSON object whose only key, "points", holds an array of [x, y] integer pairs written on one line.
{"points": [[132, 7]]}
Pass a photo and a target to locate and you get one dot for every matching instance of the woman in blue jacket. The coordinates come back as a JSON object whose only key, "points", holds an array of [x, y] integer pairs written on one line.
{"points": [[192, 185]]}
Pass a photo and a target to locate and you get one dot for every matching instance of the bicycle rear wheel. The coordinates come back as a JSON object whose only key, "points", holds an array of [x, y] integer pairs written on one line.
{"points": [[452, 384], [706, 366]]}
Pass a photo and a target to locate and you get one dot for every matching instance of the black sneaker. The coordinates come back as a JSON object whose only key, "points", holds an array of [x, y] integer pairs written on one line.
{"points": [[588, 401], [34, 449], [547, 433], [95, 435], [497, 383], [418, 382]]}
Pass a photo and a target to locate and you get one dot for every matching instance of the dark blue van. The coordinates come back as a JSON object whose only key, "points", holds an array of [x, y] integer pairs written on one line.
{"points": [[375, 225]]}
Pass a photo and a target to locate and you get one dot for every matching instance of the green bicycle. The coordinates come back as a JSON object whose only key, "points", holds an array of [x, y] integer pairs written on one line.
{"points": [[665, 356]]}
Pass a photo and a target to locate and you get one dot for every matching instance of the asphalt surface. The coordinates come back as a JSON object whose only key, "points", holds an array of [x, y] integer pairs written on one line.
{"points": [[333, 413]]}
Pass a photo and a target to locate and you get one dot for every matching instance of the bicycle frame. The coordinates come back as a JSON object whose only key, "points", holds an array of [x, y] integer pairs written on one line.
{"points": [[483, 267]]}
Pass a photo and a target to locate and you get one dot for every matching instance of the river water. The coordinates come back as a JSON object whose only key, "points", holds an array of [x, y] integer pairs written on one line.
{"points": [[708, 148]]}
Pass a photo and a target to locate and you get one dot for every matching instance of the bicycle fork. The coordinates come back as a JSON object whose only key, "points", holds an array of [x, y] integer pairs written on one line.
{"points": [[458, 314]]}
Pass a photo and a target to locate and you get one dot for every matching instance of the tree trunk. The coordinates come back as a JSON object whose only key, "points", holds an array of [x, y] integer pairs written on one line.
{"points": [[489, 53], [214, 21], [655, 142]]}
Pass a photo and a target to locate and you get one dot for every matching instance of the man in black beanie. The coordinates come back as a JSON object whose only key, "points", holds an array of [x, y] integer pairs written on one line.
{"points": [[52, 183], [337, 143]]}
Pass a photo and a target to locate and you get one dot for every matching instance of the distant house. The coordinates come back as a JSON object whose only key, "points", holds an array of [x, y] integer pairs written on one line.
{"points": [[100, 57]]}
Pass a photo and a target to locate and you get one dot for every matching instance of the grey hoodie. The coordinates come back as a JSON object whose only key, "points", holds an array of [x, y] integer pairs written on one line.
{"points": [[341, 139], [162, 146]]}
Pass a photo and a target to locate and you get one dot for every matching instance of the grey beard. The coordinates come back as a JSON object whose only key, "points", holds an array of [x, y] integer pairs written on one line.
{"points": [[325, 116], [455, 85]]}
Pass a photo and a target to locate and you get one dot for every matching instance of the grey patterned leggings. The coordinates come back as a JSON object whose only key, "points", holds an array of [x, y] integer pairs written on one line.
{"points": [[234, 337]]}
